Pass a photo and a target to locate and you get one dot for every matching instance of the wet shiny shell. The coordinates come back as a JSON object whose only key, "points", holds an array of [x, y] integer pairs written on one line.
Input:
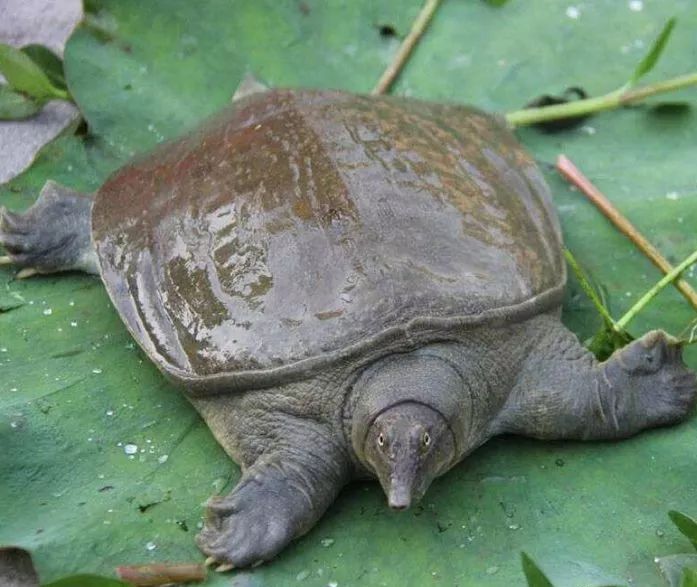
{"points": [[300, 227]]}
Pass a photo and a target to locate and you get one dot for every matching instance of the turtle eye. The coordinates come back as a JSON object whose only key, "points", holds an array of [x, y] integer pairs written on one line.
{"points": [[381, 439], [426, 439]]}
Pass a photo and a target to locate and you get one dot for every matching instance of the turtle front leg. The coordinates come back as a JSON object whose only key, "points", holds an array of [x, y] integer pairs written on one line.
{"points": [[279, 498], [563, 392], [52, 235]]}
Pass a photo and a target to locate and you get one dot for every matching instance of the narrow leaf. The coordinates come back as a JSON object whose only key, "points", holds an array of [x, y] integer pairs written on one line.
{"points": [[23, 75], [673, 566], [650, 59], [533, 573], [689, 578], [49, 62], [587, 287], [16, 106], [686, 525]]}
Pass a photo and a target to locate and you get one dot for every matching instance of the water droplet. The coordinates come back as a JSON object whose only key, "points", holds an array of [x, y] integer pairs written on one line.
{"points": [[327, 542], [3, 350], [302, 575], [48, 312], [492, 570], [162, 459], [513, 527], [13, 424], [660, 533], [73, 324], [573, 12], [96, 371], [110, 412], [636, 5], [130, 449], [672, 196], [559, 462], [151, 546]]}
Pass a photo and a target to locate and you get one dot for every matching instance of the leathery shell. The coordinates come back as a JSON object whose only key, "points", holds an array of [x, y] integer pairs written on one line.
{"points": [[299, 227]]}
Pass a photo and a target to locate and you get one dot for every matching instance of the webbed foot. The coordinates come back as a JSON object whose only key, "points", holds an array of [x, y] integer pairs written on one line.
{"points": [[563, 392], [52, 235], [650, 385], [256, 521]]}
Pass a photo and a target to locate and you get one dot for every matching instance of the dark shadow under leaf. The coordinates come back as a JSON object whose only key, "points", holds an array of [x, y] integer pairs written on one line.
{"points": [[570, 95]]}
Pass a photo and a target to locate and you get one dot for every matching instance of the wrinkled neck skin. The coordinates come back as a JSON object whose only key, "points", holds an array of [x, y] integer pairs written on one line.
{"points": [[413, 420]]}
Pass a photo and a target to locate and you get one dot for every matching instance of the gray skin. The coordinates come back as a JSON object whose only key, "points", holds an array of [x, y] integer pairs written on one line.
{"points": [[403, 416]]}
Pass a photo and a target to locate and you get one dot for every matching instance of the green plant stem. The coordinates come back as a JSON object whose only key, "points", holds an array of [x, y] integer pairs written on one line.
{"points": [[588, 288], [614, 99], [655, 290]]}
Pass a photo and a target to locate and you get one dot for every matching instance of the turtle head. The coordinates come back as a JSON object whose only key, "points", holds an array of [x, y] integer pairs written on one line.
{"points": [[407, 446]]}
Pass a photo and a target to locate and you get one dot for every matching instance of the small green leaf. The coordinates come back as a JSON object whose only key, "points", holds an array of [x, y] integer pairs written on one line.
{"points": [[24, 75], [686, 525], [650, 59], [672, 567], [49, 62], [611, 336], [87, 581], [533, 573], [16, 106], [607, 340], [689, 578]]}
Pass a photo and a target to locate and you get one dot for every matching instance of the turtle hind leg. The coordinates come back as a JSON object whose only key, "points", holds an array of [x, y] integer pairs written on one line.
{"points": [[52, 235]]}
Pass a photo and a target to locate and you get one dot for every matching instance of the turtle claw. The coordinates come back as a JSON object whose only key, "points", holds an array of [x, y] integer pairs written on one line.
{"points": [[26, 272], [5, 260], [210, 561], [224, 568]]}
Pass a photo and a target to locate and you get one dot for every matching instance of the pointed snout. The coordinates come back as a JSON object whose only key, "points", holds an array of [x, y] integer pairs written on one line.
{"points": [[399, 496]]}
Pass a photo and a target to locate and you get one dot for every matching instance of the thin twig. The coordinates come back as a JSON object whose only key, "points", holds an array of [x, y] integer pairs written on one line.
{"points": [[655, 290], [417, 29], [162, 574], [574, 175], [614, 99]]}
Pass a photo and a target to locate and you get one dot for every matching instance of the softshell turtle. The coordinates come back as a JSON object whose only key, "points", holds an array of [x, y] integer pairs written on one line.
{"points": [[346, 287]]}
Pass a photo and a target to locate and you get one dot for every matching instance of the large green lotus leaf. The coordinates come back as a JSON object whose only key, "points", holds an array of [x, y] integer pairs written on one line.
{"points": [[76, 394]]}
